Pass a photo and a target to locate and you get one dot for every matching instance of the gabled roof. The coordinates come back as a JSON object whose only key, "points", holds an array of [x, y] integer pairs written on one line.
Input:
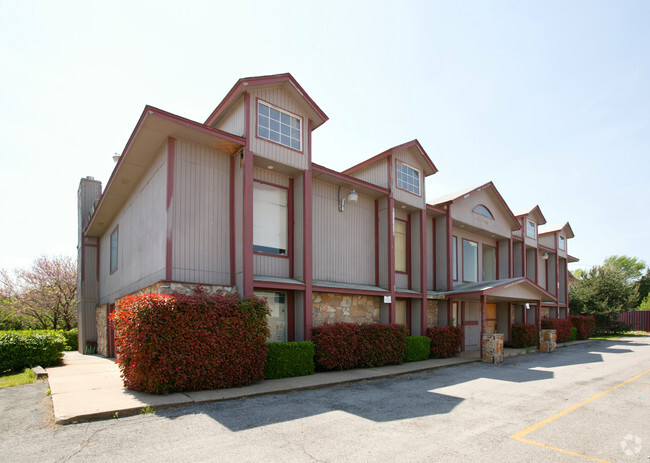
{"points": [[430, 168], [466, 193], [149, 134], [563, 228], [502, 289], [286, 80], [536, 212]]}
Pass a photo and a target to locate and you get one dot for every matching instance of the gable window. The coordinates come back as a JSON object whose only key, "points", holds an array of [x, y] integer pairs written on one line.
{"points": [[484, 211], [408, 178], [270, 219], [470, 261], [561, 240], [489, 263], [114, 242], [279, 126], [454, 258], [531, 229], [400, 246]]}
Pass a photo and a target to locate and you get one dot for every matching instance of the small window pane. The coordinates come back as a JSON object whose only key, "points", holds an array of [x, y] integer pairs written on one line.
{"points": [[285, 118], [295, 144], [274, 114], [454, 258], [264, 121], [285, 140], [263, 109], [275, 136], [262, 132], [275, 125], [470, 261], [287, 127], [408, 178]]}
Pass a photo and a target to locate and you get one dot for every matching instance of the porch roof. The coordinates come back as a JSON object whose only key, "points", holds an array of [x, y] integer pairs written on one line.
{"points": [[510, 289]]}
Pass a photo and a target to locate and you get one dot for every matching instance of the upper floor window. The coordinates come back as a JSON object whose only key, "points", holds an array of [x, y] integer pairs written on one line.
{"points": [[400, 246], [561, 240], [408, 178], [489, 263], [484, 211], [470, 261], [113, 256], [454, 258], [279, 126], [531, 229], [270, 219]]}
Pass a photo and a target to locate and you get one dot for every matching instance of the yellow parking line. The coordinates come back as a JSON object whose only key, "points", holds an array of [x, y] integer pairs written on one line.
{"points": [[520, 435]]}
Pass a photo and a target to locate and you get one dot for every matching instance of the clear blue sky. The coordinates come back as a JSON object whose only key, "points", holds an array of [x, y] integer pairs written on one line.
{"points": [[550, 100]]}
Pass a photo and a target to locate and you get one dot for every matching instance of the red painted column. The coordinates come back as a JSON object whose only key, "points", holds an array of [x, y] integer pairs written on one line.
{"points": [[511, 266], [307, 251], [483, 301], [247, 233], [449, 251], [171, 157], [510, 312], [423, 272], [391, 260], [538, 319]]}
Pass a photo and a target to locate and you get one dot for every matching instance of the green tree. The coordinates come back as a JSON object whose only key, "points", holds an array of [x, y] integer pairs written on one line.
{"points": [[631, 267], [644, 285]]}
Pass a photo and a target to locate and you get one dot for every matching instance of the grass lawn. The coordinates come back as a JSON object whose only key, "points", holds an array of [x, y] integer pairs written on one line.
{"points": [[609, 337], [16, 379]]}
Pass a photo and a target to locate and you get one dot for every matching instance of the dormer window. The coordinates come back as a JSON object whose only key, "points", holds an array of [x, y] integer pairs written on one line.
{"points": [[531, 229], [484, 211], [279, 126], [561, 242], [408, 178]]}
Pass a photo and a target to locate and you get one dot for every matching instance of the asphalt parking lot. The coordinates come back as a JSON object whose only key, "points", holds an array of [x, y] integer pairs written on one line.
{"points": [[588, 402]]}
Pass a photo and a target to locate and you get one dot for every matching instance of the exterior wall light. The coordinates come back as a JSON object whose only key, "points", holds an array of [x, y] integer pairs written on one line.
{"points": [[352, 196], [545, 256]]}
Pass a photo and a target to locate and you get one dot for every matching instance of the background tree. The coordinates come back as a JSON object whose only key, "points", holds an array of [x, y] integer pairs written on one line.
{"points": [[45, 293], [631, 267]]}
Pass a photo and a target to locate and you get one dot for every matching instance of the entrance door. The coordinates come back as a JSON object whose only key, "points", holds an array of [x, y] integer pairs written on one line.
{"points": [[490, 318], [472, 325]]}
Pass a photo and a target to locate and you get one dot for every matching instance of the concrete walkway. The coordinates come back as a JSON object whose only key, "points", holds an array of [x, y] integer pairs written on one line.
{"points": [[87, 387]]}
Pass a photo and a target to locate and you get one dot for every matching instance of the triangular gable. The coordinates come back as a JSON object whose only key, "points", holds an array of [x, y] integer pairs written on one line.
{"points": [[317, 116], [534, 212], [427, 164], [467, 193], [564, 228], [520, 288]]}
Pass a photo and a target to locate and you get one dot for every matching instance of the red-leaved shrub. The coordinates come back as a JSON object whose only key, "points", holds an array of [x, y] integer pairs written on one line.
{"points": [[523, 335], [188, 343], [446, 341], [585, 324], [343, 346], [562, 326]]}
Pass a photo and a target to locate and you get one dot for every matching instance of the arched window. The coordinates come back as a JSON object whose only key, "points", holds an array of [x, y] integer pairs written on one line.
{"points": [[484, 211]]}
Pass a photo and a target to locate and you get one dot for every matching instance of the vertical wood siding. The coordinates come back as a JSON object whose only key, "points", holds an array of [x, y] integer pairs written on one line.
{"points": [[142, 236], [563, 276], [201, 218], [441, 253], [531, 262], [276, 152], [233, 121], [343, 242], [270, 176], [547, 240], [415, 252], [463, 212], [430, 246], [551, 262], [517, 258], [413, 160], [239, 226], [541, 271], [376, 173], [382, 222], [503, 250]]}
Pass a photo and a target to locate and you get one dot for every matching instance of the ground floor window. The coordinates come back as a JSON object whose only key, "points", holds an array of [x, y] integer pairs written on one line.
{"points": [[278, 319], [400, 312], [454, 314]]}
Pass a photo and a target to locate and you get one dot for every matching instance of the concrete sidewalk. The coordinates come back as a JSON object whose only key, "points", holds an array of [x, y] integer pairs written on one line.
{"points": [[87, 387]]}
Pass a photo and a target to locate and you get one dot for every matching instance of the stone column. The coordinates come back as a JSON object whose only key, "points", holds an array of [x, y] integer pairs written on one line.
{"points": [[547, 340], [492, 348]]}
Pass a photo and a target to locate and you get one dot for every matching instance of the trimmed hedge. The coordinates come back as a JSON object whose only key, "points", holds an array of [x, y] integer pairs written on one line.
{"points": [[29, 348], [71, 338], [287, 359], [574, 334], [562, 326], [446, 341], [417, 348], [585, 324], [189, 343], [523, 335], [343, 346]]}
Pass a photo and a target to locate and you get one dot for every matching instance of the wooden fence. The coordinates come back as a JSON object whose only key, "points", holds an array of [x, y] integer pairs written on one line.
{"points": [[640, 318]]}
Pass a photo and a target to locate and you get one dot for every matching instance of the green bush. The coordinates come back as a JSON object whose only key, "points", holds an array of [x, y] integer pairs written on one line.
{"points": [[417, 348], [287, 359], [71, 338], [21, 349], [574, 334]]}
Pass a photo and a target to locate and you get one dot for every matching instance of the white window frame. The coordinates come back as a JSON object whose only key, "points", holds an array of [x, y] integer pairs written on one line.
{"points": [[534, 224], [291, 136], [561, 239], [270, 220], [402, 179]]}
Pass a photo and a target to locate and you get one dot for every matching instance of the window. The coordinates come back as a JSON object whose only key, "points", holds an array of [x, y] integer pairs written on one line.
{"points": [[279, 126], [470, 261], [489, 263], [484, 211], [400, 246], [531, 229], [270, 219], [114, 240], [454, 258], [408, 178], [562, 242], [400, 312], [454, 314], [277, 319]]}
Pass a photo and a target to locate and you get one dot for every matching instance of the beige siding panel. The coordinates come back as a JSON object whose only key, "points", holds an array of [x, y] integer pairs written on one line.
{"points": [[547, 240], [382, 223], [503, 251], [462, 211], [563, 276], [552, 285], [517, 259], [531, 262], [401, 281], [142, 236], [270, 266], [409, 157], [517, 233], [233, 121], [541, 271], [273, 151], [270, 176], [376, 173], [239, 227], [441, 253], [415, 252], [343, 242], [201, 215]]}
